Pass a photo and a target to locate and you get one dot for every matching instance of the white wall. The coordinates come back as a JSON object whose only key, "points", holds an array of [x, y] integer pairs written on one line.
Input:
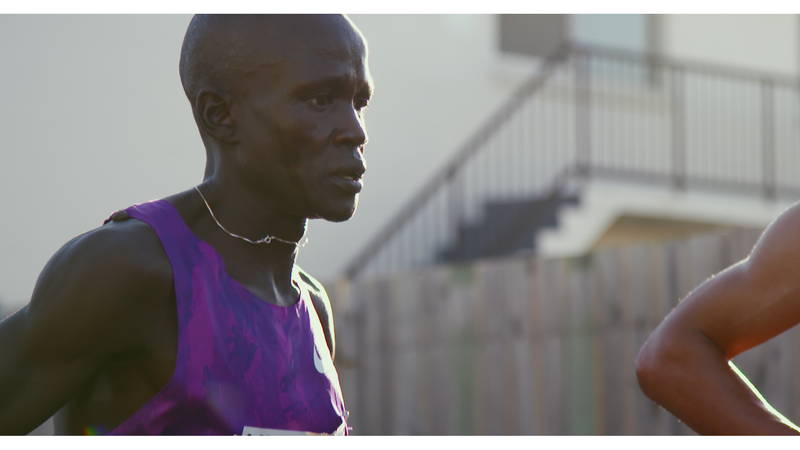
{"points": [[762, 42], [94, 119]]}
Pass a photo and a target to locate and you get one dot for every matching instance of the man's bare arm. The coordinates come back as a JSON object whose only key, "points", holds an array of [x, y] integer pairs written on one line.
{"points": [[83, 311], [684, 365]]}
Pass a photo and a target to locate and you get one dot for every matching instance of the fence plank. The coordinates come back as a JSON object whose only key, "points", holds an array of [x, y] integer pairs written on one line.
{"points": [[530, 346]]}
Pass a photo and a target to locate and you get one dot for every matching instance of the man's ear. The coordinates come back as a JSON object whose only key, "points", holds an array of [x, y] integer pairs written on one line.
{"points": [[214, 115]]}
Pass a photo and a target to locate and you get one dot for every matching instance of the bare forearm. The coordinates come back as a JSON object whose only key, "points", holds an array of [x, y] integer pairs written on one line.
{"points": [[21, 397], [692, 379], [14, 378], [30, 392]]}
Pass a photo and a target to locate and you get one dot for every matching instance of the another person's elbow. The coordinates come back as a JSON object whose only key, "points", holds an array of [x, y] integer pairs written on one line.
{"points": [[647, 362], [656, 361]]}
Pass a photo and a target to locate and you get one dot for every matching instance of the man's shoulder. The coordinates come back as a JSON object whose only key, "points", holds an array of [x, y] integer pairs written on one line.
{"points": [[792, 215], [125, 253], [777, 252], [107, 284], [784, 232]]}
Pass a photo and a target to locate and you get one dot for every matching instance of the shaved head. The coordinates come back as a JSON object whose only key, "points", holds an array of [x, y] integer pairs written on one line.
{"points": [[279, 101], [220, 50]]}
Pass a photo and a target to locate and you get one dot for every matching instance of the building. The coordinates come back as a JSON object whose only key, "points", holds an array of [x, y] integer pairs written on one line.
{"points": [[626, 128], [97, 120]]}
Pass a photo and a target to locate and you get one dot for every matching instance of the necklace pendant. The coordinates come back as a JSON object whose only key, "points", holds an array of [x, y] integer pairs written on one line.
{"points": [[265, 240]]}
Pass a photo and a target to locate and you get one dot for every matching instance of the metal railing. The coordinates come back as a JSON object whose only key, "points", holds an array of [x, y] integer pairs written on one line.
{"points": [[592, 112]]}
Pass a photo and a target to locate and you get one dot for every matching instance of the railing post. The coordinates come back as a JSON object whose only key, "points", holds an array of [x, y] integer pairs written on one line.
{"points": [[455, 205], [583, 131], [768, 139], [678, 128]]}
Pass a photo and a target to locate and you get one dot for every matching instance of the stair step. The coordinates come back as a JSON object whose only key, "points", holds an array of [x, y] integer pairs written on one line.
{"points": [[507, 227]]}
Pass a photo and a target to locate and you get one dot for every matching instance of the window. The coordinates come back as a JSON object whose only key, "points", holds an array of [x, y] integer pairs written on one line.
{"points": [[540, 34], [619, 31], [532, 34]]}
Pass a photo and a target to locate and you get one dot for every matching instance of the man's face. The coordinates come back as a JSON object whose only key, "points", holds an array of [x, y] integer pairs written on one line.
{"points": [[300, 125]]}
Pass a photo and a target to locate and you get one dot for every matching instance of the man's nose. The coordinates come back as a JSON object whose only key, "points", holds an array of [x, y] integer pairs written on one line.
{"points": [[351, 130]]}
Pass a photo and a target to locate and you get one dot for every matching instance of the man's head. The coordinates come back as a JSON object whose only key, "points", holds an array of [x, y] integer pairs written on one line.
{"points": [[279, 103]]}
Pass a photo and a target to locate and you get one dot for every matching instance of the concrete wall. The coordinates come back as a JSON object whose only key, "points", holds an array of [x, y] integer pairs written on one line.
{"points": [[615, 212], [630, 229], [94, 119]]}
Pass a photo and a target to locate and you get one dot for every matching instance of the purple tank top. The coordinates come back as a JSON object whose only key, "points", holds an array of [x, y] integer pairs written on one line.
{"points": [[243, 366]]}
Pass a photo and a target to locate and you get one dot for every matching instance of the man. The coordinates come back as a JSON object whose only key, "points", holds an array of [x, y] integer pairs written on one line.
{"points": [[684, 365], [187, 315]]}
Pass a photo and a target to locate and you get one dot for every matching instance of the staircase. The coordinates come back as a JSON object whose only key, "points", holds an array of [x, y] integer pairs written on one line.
{"points": [[507, 227], [588, 115]]}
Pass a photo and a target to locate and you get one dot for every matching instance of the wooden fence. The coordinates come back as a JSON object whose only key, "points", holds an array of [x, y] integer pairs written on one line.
{"points": [[529, 346]]}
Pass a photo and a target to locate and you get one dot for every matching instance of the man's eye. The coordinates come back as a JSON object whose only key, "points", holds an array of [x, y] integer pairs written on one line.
{"points": [[321, 101]]}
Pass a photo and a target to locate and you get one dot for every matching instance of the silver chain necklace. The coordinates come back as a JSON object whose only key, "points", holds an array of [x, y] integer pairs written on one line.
{"points": [[265, 240]]}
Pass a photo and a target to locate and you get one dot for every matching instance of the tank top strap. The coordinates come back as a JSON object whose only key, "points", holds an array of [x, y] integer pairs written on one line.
{"points": [[177, 240], [175, 236]]}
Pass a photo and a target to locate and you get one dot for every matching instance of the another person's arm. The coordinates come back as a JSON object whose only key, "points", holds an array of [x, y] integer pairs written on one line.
{"points": [[684, 364], [83, 312]]}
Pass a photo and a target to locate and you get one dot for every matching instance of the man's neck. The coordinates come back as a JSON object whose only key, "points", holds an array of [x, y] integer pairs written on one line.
{"points": [[244, 213]]}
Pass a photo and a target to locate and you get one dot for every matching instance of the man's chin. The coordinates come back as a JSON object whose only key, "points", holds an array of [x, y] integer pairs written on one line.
{"points": [[338, 214], [338, 217], [335, 209]]}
